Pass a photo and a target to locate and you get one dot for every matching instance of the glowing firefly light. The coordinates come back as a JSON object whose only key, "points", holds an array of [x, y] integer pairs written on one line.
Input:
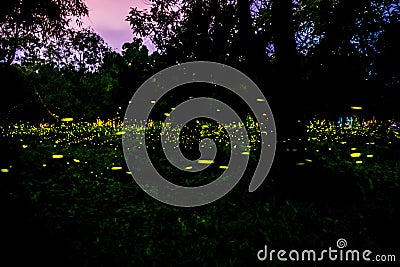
{"points": [[205, 161]]}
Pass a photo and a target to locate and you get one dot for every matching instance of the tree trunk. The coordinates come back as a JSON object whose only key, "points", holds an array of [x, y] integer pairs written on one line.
{"points": [[251, 48], [245, 35], [44, 104], [287, 102], [284, 37], [201, 21]]}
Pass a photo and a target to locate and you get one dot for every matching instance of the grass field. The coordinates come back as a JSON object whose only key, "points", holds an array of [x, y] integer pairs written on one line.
{"points": [[67, 197]]}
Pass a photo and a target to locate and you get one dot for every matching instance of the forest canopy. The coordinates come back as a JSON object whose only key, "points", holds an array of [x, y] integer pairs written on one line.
{"points": [[312, 56]]}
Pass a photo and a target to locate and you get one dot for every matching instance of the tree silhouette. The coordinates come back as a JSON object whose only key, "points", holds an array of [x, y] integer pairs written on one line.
{"points": [[24, 23], [309, 57]]}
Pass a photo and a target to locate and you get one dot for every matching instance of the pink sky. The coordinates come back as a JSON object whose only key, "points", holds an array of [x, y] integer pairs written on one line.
{"points": [[107, 18]]}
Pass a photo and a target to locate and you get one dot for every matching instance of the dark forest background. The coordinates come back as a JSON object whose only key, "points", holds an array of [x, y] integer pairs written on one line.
{"points": [[311, 57]]}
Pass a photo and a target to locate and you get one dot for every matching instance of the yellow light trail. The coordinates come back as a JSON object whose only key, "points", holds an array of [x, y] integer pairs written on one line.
{"points": [[205, 161]]}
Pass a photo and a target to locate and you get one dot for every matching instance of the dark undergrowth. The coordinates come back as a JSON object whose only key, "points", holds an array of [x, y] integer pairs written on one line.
{"points": [[84, 209]]}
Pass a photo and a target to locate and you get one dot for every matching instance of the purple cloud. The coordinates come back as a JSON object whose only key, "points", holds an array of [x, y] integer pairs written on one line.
{"points": [[107, 18]]}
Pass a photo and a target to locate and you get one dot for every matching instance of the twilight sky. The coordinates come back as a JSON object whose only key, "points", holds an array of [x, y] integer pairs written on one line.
{"points": [[107, 18]]}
